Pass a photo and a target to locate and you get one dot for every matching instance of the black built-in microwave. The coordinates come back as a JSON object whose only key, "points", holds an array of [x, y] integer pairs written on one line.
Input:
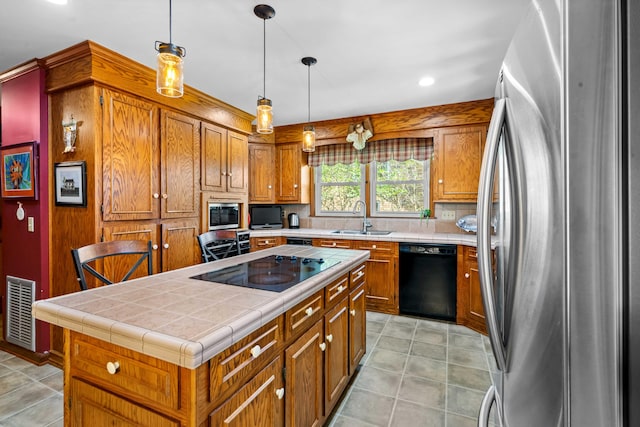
{"points": [[224, 215]]}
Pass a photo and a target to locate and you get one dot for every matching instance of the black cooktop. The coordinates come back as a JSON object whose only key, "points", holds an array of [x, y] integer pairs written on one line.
{"points": [[273, 273]]}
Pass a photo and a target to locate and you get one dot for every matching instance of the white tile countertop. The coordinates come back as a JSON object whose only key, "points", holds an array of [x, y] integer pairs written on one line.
{"points": [[468, 239], [187, 321]]}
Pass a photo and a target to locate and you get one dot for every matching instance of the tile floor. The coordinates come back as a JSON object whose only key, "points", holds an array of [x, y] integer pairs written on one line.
{"points": [[416, 372]]}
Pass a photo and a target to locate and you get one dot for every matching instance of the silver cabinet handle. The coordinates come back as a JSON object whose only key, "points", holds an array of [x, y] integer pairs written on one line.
{"points": [[323, 346], [295, 185], [156, 195], [154, 247], [309, 311], [485, 407], [255, 351], [269, 187], [165, 196], [485, 199], [353, 312], [466, 275], [330, 337], [166, 246], [440, 181]]}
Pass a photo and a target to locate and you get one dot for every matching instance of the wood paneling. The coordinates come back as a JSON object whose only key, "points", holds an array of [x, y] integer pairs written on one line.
{"points": [[88, 62], [416, 122]]}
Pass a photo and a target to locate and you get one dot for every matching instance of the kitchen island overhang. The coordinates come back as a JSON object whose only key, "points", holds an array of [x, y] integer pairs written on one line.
{"points": [[186, 321]]}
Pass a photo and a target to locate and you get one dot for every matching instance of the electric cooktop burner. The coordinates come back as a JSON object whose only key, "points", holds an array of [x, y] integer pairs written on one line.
{"points": [[273, 273]]}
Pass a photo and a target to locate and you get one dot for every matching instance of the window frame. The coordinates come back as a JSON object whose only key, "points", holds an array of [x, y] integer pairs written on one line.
{"points": [[368, 181]]}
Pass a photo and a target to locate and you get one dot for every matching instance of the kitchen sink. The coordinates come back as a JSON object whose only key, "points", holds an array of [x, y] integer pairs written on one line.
{"points": [[359, 232]]}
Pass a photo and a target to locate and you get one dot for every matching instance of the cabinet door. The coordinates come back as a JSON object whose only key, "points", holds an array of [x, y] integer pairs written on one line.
{"points": [[180, 165], [336, 358], [262, 173], [257, 403], [237, 163], [288, 164], [133, 231], [179, 244], [469, 308], [214, 155], [357, 327], [92, 406], [382, 275], [303, 362], [457, 160], [130, 158]]}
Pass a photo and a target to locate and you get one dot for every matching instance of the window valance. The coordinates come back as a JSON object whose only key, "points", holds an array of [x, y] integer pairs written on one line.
{"points": [[399, 149]]}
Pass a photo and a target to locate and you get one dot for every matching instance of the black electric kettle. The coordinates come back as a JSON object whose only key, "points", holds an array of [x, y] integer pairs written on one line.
{"points": [[294, 220]]}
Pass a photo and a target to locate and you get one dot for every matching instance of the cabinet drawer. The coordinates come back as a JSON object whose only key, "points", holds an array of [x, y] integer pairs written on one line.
{"points": [[92, 406], [377, 246], [304, 314], [334, 291], [471, 253], [357, 276], [230, 368], [135, 374], [332, 243]]}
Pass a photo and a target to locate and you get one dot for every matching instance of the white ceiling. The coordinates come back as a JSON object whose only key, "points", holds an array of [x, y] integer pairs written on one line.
{"points": [[371, 53]]}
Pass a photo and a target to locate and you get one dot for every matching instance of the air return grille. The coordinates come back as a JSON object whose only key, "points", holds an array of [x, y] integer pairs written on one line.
{"points": [[21, 325]]}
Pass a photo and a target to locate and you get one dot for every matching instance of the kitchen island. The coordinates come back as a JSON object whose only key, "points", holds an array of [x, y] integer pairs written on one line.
{"points": [[171, 350]]}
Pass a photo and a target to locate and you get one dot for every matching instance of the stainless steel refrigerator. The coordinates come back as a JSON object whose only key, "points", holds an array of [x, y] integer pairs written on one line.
{"points": [[561, 175]]}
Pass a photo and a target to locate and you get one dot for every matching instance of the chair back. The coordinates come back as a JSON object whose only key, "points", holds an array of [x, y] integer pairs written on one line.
{"points": [[211, 249], [88, 258]]}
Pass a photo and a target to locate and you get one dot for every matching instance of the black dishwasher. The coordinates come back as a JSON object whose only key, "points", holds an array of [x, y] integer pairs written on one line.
{"points": [[428, 280]]}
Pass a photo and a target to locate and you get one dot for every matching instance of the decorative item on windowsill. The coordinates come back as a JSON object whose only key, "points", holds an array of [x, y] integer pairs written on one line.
{"points": [[359, 133], [425, 214], [70, 132]]}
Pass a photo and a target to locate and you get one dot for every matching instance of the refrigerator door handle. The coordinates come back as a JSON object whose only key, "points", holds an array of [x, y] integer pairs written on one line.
{"points": [[485, 199], [485, 407]]}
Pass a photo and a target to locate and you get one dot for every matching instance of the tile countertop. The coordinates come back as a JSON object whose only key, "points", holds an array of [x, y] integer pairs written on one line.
{"points": [[468, 239], [186, 321]]}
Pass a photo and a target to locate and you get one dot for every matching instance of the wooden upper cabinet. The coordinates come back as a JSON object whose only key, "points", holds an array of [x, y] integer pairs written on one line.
{"points": [[457, 157], [130, 157], [224, 160], [180, 148], [262, 174], [293, 176]]}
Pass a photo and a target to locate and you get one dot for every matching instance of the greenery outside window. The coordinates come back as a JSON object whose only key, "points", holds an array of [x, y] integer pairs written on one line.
{"points": [[338, 188], [399, 188]]}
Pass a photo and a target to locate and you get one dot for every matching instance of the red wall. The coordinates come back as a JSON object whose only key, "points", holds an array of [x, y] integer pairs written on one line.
{"points": [[26, 254]]}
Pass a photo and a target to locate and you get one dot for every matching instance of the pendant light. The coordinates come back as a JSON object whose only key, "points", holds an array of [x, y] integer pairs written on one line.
{"points": [[169, 76], [309, 132], [264, 113]]}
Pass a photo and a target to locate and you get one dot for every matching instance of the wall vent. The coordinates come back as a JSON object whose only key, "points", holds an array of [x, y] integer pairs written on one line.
{"points": [[21, 325]]}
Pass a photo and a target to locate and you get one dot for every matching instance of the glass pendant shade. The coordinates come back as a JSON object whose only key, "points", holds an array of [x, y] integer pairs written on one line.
{"points": [[169, 75], [264, 116], [309, 139]]}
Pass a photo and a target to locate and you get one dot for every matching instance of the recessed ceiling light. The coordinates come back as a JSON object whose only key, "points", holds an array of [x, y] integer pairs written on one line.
{"points": [[57, 1], [426, 81]]}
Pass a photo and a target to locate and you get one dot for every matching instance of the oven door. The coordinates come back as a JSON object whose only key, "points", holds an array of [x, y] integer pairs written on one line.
{"points": [[223, 216]]}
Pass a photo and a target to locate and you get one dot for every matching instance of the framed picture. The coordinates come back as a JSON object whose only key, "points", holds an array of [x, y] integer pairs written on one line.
{"points": [[19, 177], [71, 183]]}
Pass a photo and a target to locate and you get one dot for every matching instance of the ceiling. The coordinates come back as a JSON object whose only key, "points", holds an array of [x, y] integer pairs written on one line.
{"points": [[371, 54]]}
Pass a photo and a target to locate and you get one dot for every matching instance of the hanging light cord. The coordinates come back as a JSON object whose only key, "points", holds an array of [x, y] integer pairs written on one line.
{"points": [[170, 23], [264, 58], [309, 93]]}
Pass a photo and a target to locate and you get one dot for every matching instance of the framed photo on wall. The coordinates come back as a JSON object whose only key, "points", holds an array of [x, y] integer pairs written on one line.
{"points": [[19, 171], [71, 183]]}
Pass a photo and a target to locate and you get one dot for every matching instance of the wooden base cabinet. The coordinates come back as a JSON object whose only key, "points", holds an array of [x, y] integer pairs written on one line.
{"points": [[260, 402], [303, 361], [291, 371], [470, 309], [382, 275]]}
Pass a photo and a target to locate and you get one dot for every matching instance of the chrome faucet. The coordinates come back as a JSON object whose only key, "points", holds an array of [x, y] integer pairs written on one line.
{"points": [[365, 224]]}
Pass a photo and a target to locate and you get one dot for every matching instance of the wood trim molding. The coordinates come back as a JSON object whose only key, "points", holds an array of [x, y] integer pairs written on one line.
{"points": [[88, 63], [417, 123]]}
